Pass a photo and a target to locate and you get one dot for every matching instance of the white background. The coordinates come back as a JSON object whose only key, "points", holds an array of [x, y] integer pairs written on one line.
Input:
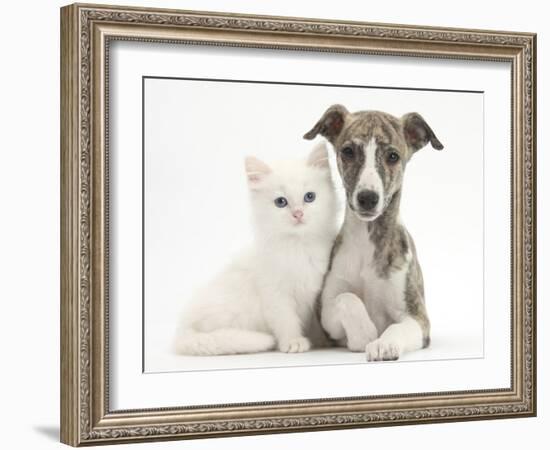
{"points": [[30, 231], [197, 207]]}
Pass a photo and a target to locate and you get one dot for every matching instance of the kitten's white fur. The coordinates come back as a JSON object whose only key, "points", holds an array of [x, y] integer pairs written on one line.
{"points": [[266, 298]]}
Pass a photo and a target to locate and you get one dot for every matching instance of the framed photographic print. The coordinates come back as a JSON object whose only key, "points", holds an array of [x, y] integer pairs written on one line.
{"points": [[276, 224]]}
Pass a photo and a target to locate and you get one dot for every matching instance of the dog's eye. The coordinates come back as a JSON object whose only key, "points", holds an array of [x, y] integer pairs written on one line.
{"points": [[348, 152], [281, 202], [309, 197], [393, 157]]}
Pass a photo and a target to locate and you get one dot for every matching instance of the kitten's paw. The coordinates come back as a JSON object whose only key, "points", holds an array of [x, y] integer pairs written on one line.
{"points": [[296, 345], [381, 350]]}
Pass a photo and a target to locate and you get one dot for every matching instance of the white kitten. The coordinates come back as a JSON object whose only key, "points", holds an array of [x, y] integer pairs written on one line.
{"points": [[266, 298]]}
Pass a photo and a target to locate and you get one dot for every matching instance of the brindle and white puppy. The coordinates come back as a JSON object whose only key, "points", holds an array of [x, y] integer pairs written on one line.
{"points": [[373, 297]]}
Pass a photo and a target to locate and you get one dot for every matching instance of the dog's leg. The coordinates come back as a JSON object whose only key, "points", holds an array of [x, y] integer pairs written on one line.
{"points": [[356, 321], [344, 316], [398, 338]]}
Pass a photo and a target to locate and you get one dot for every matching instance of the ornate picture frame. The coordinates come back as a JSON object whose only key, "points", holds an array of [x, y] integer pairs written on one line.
{"points": [[87, 32]]}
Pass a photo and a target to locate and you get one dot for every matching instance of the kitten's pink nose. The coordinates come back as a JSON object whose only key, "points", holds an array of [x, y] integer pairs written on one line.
{"points": [[298, 214]]}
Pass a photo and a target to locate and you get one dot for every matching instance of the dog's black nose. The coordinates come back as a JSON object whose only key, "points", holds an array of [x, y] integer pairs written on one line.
{"points": [[367, 200]]}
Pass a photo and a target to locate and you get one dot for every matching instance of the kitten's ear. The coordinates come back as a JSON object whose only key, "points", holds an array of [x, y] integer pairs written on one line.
{"points": [[256, 170], [319, 157]]}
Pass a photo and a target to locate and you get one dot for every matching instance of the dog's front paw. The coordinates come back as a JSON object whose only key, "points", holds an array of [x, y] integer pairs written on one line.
{"points": [[295, 345], [381, 350]]}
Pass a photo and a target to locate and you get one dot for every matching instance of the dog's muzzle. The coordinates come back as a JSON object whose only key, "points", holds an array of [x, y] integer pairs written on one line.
{"points": [[367, 200], [366, 204]]}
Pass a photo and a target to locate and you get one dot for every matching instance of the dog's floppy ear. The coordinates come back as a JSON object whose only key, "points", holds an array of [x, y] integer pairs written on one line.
{"points": [[330, 125], [418, 133]]}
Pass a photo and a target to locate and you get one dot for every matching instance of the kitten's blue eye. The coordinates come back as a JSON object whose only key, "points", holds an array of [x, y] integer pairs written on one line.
{"points": [[280, 202], [309, 197]]}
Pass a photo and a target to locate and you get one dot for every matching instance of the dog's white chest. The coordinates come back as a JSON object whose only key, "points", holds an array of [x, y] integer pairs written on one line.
{"points": [[384, 297]]}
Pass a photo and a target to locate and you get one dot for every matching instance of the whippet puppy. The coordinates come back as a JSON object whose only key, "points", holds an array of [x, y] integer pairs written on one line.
{"points": [[373, 296]]}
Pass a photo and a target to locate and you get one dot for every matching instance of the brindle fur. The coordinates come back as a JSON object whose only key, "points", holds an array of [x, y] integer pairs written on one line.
{"points": [[394, 247]]}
